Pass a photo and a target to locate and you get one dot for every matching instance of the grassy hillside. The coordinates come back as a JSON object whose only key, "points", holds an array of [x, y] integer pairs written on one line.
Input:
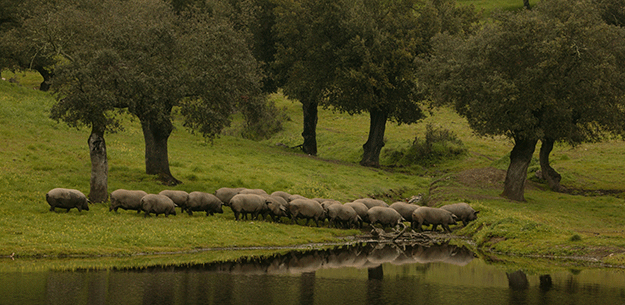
{"points": [[39, 154]]}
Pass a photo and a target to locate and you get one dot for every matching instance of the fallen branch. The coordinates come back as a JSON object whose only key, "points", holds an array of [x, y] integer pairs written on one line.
{"points": [[400, 233], [410, 236]]}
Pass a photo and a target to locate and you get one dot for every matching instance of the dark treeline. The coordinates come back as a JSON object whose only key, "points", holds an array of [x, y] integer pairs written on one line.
{"points": [[550, 74]]}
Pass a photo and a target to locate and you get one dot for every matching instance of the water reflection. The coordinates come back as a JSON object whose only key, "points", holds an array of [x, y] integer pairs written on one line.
{"points": [[358, 274], [355, 256]]}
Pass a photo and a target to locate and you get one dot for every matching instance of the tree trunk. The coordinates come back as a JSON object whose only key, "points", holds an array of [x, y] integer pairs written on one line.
{"points": [[156, 155], [375, 142], [520, 157], [310, 127], [547, 172], [307, 288], [526, 4], [47, 75], [99, 165]]}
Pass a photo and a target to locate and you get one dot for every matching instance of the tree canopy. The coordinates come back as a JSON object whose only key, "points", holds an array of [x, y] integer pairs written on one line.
{"points": [[142, 57], [305, 34], [20, 50], [360, 56], [552, 73]]}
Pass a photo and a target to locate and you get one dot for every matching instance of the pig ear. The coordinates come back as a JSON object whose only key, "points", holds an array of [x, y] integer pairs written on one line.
{"points": [[477, 212]]}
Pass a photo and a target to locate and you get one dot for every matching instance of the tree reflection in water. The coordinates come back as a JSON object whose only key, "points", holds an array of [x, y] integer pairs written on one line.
{"points": [[365, 273]]}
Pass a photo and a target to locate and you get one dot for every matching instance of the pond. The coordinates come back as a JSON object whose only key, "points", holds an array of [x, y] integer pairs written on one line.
{"points": [[364, 273]]}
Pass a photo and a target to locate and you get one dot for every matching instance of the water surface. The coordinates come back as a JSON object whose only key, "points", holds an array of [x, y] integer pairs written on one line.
{"points": [[358, 274]]}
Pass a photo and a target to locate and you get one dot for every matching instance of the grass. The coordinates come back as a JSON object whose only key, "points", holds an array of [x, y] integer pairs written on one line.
{"points": [[39, 154]]}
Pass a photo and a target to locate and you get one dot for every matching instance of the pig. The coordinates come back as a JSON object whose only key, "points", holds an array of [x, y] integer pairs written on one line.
{"points": [[328, 202], [404, 209], [277, 207], [200, 201], [434, 216], [226, 193], [384, 215], [463, 211], [253, 191], [126, 199], [282, 194], [248, 203], [307, 208], [361, 209], [178, 197], [342, 214], [157, 204], [67, 199], [296, 196], [370, 202]]}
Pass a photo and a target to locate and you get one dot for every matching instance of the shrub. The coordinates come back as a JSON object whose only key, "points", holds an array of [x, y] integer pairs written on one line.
{"points": [[575, 237], [263, 120], [438, 145]]}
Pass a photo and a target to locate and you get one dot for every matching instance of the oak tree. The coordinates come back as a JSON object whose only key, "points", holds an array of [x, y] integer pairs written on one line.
{"points": [[307, 33], [550, 74], [359, 56], [20, 50], [142, 57]]}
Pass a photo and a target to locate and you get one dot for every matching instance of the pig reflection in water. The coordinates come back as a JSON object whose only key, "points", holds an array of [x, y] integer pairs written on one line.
{"points": [[358, 256], [422, 254]]}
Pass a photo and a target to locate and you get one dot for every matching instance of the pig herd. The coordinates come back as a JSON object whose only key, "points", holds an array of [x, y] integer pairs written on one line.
{"points": [[257, 202]]}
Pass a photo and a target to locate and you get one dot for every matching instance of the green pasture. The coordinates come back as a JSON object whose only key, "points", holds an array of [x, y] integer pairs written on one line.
{"points": [[38, 154]]}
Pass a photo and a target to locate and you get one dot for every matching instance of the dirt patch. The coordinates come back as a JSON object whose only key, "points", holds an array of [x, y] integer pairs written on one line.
{"points": [[488, 177], [595, 193], [495, 240], [599, 253], [493, 178], [473, 184]]}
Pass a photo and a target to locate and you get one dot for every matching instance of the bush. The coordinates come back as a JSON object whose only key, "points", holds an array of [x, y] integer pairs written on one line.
{"points": [[263, 120], [439, 144]]}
